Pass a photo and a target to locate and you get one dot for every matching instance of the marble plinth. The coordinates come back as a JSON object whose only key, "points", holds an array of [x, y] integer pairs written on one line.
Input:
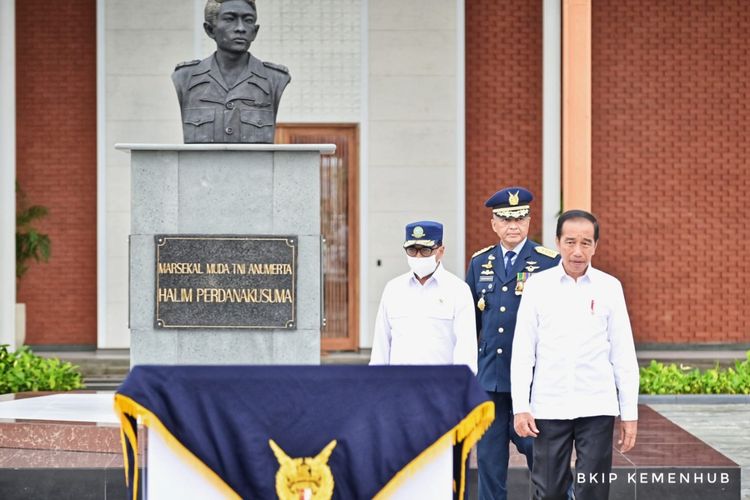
{"points": [[56, 445], [225, 189]]}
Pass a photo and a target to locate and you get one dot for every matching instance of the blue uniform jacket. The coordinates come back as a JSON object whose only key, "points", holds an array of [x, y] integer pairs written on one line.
{"points": [[499, 297]]}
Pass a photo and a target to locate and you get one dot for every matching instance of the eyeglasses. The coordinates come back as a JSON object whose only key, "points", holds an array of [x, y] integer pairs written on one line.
{"points": [[423, 251]]}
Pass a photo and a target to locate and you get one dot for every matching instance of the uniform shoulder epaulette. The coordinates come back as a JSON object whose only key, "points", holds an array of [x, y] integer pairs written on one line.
{"points": [[278, 67], [187, 63], [479, 252], [546, 251]]}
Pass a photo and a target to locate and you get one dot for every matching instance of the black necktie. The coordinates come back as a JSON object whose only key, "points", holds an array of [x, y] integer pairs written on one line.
{"points": [[509, 262]]}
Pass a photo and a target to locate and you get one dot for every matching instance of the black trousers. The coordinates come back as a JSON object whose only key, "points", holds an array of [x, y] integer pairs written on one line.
{"points": [[592, 437]]}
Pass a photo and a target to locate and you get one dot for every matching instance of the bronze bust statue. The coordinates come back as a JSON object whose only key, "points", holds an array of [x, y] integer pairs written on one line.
{"points": [[230, 96]]}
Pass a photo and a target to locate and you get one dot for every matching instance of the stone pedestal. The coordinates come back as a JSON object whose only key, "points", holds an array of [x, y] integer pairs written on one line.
{"points": [[222, 189]]}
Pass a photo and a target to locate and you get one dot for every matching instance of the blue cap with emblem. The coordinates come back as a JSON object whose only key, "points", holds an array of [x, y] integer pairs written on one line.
{"points": [[426, 233], [511, 202]]}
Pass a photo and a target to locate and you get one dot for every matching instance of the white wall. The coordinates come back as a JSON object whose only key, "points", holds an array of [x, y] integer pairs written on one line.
{"points": [[319, 41], [410, 170], [7, 173], [412, 164], [143, 40]]}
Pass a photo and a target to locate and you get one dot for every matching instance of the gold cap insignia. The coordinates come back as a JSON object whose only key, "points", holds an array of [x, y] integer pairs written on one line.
{"points": [[418, 232], [513, 198], [307, 477]]}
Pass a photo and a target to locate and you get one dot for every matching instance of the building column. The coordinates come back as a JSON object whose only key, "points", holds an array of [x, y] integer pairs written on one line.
{"points": [[8, 173], [551, 96], [101, 179], [576, 110]]}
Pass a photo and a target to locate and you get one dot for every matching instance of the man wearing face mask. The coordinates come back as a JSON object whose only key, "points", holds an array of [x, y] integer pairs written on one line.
{"points": [[426, 316]]}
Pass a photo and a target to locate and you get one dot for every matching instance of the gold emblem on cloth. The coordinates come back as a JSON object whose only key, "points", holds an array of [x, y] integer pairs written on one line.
{"points": [[418, 232], [513, 198], [307, 477], [480, 303]]}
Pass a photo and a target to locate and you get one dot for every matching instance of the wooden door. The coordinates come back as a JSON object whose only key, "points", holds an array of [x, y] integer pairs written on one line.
{"points": [[339, 206]]}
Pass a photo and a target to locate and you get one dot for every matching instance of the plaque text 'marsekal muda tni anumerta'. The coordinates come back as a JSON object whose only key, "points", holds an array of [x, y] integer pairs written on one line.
{"points": [[211, 281]]}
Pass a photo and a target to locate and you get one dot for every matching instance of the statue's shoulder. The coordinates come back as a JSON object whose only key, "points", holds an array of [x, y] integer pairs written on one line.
{"points": [[277, 67], [186, 64]]}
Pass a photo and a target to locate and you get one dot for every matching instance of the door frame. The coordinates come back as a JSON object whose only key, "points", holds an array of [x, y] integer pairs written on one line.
{"points": [[351, 341]]}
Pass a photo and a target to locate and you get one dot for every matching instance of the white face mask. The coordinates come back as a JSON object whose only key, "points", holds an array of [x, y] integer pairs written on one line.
{"points": [[422, 266]]}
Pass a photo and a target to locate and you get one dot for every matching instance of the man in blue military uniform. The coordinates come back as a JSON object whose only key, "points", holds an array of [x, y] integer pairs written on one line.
{"points": [[231, 96], [496, 277]]}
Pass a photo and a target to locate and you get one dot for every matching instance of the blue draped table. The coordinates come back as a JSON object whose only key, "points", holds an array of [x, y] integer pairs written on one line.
{"points": [[385, 420]]}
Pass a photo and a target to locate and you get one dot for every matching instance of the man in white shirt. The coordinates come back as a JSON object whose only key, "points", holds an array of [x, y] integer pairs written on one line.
{"points": [[426, 316], [574, 367]]}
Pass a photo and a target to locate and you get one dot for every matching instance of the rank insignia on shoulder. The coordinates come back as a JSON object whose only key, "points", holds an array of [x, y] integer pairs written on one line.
{"points": [[479, 252], [546, 251], [186, 63], [278, 67]]}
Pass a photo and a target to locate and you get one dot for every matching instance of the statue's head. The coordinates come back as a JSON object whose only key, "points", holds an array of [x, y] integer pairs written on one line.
{"points": [[231, 23]]}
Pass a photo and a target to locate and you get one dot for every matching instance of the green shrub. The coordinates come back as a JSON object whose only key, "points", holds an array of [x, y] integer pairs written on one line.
{"points": [[23, 370], [658, 378]]}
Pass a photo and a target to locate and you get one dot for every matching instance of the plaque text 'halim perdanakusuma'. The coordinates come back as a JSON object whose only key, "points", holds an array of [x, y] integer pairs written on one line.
{"points": [[210, 281]]}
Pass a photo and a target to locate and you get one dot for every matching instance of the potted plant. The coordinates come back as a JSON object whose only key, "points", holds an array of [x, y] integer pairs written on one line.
{"points": [[30, 245]]}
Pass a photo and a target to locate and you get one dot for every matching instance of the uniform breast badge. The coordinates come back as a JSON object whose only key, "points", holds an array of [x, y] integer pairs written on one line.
{"points": [[307, 477], [480, 303], [520, 280], [486, 274]]}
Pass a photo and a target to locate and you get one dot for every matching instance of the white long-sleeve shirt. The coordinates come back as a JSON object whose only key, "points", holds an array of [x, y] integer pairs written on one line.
{"points": [[430, 324], [573, 348]]}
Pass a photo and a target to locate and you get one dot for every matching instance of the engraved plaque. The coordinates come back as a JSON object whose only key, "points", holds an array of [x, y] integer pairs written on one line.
{"points": [[213, 281]]}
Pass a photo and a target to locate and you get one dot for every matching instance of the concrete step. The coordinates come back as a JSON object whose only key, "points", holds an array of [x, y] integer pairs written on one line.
{"points": [[103, 383], [107, 363], [95, 364]]}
